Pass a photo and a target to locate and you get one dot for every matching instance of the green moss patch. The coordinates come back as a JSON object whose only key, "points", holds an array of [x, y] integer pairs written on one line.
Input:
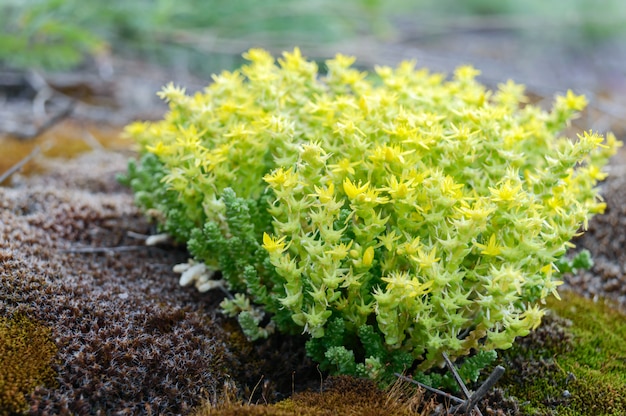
{"points": [[574, 364]]}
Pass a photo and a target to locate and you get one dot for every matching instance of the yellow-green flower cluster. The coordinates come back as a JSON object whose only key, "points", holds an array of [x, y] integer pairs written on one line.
{"points": [[429, 209]]}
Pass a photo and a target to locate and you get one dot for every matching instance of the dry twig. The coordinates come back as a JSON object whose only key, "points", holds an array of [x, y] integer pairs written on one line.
{"points": [[430, 389], [31, 133], [460, 382], [462, 407], [102, 249], [19, 165], [481, 392]]}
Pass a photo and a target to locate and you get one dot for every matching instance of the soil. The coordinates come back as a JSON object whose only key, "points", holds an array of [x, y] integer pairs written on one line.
{"points": [[129, 339]]}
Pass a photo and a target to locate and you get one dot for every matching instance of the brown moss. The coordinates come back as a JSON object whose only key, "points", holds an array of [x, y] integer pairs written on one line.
{"points": [[342, 395], [130, 340], [26, 355]]}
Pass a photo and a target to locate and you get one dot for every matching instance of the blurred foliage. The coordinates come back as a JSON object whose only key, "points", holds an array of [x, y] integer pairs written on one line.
{"points": [[58, 34], [40, 33], [208, 35]]}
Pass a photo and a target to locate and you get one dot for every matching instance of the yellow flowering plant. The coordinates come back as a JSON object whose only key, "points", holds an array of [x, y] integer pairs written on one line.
{"points": [[390, 216]]}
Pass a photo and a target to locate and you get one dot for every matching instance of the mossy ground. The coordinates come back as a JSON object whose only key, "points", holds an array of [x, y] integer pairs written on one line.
{"points": [[26, 357], [127, 339], [342, 395], [574, 364]]}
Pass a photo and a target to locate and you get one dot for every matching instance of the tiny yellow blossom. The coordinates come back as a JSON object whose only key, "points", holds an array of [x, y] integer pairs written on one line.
{"points": [[389, 154], [371, 196], [595, 173], [406, 67], [135, 129], [172, 93], [348, 128], [403, 282], [507, 192], [342, 61], [326, 194], [573, 101], [240, 131], [450, 188], [556, 204], [478, 212], [226, 80], [466, 73], [273, 245], [410, 247], [259, 56], [383, 71], [340, 251], [295, 62], [511, 93], [398, 189], [388, 240], [552, 285], [591, 140], [344, 167], [353, 190], [159, 149], [281, 178], [426, 261], [491, 248]]}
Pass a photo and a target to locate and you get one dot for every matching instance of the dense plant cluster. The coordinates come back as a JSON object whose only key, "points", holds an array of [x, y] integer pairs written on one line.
{"points": [[391, 216]]}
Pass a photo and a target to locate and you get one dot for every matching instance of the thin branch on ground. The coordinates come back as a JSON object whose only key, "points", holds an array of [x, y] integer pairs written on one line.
{"points": [[468, 406], [459, 381], [103, 249], [254, 389], [91, 140], [431, 389], [138, 236], [456, 376], [48, 124], [481, 392], [19, 165]]}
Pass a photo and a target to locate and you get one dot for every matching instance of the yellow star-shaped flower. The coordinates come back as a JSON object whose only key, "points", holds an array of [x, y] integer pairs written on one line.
{"points": [[491, 248]]}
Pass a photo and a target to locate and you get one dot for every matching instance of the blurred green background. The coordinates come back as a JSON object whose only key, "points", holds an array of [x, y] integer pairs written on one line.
{"points": [[207, 35]]}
